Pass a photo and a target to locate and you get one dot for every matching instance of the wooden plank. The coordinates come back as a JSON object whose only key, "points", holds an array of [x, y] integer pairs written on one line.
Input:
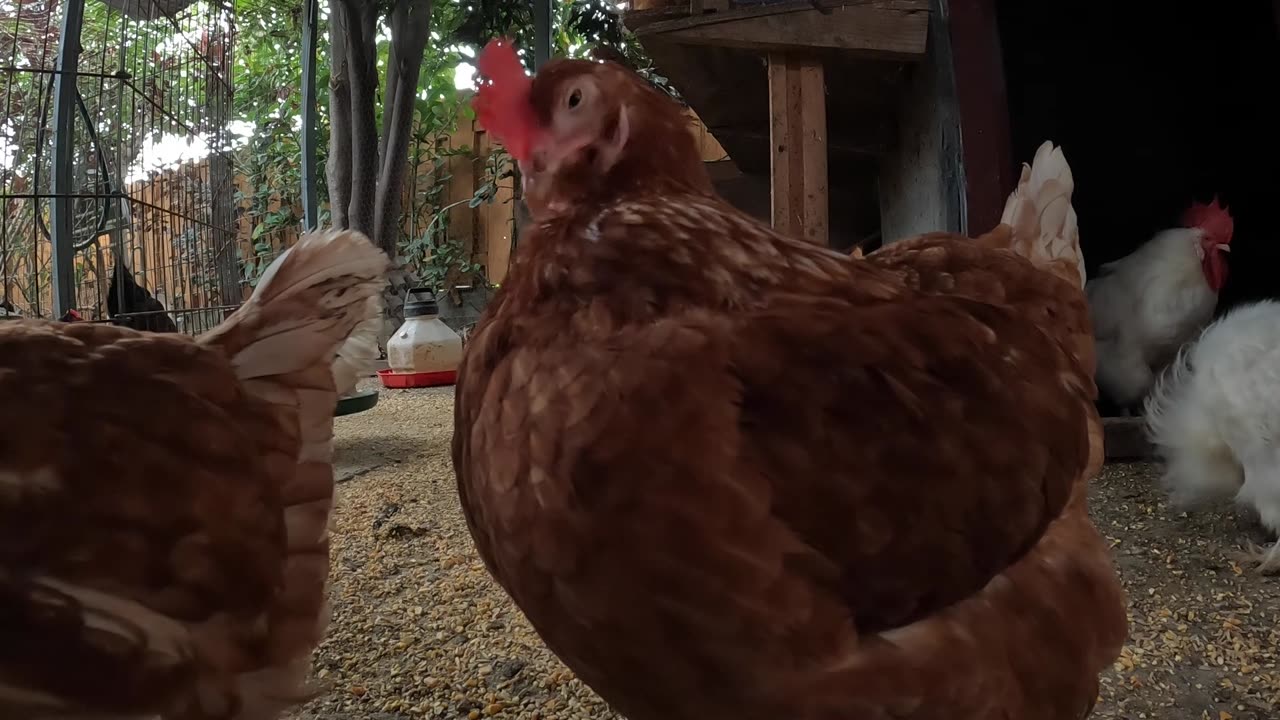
{"points": [[813, 114], [462, 185], [646, 22], [636, 19], [1125, 438], [496, 223], [798, 138], [784, 129], [872, 30], [709, 148]]}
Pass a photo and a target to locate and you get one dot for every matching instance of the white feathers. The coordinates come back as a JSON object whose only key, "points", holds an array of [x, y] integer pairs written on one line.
{"points": [[1214, 416], [1145, 306], [1039, 211]]}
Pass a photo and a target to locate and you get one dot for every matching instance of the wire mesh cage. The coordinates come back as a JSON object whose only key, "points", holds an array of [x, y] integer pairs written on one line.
{"points": [[130, 215]]}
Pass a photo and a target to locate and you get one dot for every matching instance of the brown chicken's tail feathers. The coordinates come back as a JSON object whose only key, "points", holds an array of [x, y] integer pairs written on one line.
{"points": [[299, 342], [1042, 219], [318, 302]]}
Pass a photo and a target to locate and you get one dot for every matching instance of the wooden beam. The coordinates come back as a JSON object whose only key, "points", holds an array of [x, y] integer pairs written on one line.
{"points": [[989, 168], [881, 29], [798, 136], [921, 180]]}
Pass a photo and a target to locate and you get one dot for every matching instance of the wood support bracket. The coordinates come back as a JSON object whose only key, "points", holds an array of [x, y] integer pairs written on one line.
{"points": [[798, 140]]}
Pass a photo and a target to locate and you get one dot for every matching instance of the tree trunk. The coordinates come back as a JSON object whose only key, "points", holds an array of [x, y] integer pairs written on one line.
{"points": [[362, 72], [338, 167], [410, 27], [366, 167]]}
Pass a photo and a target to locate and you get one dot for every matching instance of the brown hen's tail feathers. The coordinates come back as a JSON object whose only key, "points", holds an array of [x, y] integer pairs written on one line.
{"points": [[320, 299], [1041, 221], [300, 341]]}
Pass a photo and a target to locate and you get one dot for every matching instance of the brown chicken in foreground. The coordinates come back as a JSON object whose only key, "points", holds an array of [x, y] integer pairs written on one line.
{"points": [[177, 567], [730, 474]]}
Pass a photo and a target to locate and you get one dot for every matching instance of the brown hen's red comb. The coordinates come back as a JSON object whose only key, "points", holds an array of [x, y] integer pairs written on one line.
{"points": [[502, 104], [1212, 218]]}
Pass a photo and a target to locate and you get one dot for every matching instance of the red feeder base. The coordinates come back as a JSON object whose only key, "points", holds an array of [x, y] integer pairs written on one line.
{"points": [[391, 379]]}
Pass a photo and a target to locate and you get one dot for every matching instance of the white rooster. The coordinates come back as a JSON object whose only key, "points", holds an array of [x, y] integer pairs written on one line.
{"points": [[1214, 418], [1149, 303]]}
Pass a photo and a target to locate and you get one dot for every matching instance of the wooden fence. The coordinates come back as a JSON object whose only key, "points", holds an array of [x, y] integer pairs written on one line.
{"points": [[162, 262]]}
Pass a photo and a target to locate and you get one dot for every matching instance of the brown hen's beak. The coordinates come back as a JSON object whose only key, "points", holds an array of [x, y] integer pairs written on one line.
{"points": [[1222, 247]]}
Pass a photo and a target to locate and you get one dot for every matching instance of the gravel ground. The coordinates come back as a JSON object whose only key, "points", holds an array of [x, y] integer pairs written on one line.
{"points": [[1203, 633], [420, 631]]}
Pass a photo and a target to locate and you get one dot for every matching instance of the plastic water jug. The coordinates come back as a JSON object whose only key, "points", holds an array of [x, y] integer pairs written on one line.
{"points": [[423, 344]]}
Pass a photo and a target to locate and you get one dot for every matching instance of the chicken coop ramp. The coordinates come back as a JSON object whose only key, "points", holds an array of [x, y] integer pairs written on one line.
{"points": [[823, 79]]}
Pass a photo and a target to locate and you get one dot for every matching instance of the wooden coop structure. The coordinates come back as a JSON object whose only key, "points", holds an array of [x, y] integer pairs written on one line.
{"points": [[854, 122]]}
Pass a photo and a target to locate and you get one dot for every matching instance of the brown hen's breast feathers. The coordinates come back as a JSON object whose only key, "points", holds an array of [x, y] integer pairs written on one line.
{"points": [[713, 465]]}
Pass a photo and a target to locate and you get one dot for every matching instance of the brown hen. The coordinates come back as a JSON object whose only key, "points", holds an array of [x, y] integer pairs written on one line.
{"points": [[176, 567], [730, 474]]}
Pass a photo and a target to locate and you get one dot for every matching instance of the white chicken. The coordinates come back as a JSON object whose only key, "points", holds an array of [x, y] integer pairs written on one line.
{"points": [[1146, 305], [1214, 417]]}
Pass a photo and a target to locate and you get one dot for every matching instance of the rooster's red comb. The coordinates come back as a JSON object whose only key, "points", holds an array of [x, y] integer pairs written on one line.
{"points": [[1212, 218], [502, 103]]}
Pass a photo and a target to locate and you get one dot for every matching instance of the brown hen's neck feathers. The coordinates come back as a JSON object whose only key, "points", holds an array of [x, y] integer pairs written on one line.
{"points": [[658, 254]]}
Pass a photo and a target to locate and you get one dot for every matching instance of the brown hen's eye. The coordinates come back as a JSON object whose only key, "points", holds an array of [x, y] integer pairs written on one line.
{"points": [[575, 98]]}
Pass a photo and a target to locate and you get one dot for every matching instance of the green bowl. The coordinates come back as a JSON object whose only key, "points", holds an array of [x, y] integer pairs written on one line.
{"points": [[358, 402]]}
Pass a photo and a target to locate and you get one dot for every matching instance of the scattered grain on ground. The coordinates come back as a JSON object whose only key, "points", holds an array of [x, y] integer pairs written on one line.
{"points": [[420, 630]]}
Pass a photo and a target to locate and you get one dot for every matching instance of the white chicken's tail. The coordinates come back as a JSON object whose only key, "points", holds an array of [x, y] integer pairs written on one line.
{"points": [[297, 343], [1042, 219], [1183, 427]]}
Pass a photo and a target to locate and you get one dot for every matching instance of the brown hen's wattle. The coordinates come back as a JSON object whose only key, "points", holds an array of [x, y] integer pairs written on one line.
{"points": [[730, 474]]}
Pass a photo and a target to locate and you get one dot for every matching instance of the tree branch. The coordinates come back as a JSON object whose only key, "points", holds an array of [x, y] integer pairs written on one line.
{"points": [[398, 17]]}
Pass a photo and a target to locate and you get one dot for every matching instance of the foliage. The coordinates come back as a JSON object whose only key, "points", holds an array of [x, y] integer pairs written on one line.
{"points": [[268, 108], [268, 103], [145, 63], [578, 28]]}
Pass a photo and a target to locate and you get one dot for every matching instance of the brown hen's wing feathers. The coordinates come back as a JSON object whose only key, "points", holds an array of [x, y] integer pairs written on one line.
{"points": [[178, 493], [740, 467], [975, 415], [948, 264], [128, 491]]}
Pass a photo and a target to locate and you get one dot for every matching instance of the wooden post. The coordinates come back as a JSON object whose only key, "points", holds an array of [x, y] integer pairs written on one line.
{"points": [[798, 137], [989, 168]]}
